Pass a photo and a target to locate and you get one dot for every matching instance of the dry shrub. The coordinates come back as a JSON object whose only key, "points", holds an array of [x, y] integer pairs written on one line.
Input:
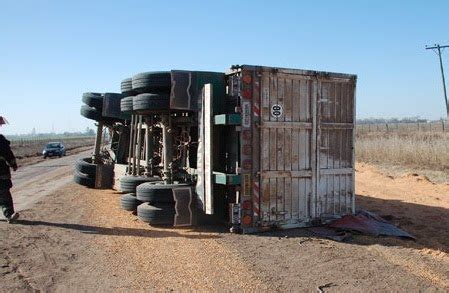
{"points": [[429, 150]]}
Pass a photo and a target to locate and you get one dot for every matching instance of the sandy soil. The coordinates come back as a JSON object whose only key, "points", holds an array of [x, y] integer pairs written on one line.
{"points": [[75, 239]]}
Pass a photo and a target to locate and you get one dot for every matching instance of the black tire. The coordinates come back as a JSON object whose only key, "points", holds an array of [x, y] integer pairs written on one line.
{"points": [[128, 184], [127, 87], [84, 180], [157, 192], [94, 100], [95, 114], [129, 202], [161, 214], [85, 166], [144, 103], [126, 104], [90, 113], [152, 82]]}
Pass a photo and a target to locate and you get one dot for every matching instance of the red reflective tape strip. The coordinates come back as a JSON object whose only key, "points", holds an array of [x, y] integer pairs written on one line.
{"points": [[256, 191], [256, 109], [256, 211], [256, 187]]}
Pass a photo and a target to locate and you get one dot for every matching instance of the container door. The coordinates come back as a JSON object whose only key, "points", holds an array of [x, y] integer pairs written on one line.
{"points": [[335, 152], [287, 156]]}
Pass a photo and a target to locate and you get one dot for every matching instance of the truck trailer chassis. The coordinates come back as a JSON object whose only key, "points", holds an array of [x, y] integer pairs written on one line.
{"points": [[258, 147]]}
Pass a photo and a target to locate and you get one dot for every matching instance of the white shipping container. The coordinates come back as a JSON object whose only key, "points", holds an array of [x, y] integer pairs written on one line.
{"points": [[296, 146]]}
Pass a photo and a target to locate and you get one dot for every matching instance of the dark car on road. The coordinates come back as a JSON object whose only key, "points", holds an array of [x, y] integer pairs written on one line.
{"points": [[53, 149]]}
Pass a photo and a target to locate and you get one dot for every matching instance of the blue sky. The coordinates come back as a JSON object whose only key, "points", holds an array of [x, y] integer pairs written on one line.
{"points": [[53, 51]]}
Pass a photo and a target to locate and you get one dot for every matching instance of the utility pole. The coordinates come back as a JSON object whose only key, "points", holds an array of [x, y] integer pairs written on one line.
{"points": [[437, 49]]}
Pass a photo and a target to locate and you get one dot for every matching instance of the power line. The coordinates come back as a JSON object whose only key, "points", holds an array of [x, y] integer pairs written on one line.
{"points": [[437, 49]]}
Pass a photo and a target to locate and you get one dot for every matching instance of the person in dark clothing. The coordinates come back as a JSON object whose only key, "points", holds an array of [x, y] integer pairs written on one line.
{"points": [[7, 161]]}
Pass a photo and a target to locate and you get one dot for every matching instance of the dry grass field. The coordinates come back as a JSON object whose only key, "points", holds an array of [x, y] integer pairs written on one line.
{"points": [[31, 148], [29, 151], [421, 150]]}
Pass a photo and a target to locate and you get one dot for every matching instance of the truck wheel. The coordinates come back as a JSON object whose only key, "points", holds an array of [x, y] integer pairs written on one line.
{"points": [[85, 166], [152, 82], [151, 102], [126, 104], [84, 180], [127, 87], [161, 214], [94, 100], [94, 114], [157, 192], [128, 184], [90, 113], [129, 202]]}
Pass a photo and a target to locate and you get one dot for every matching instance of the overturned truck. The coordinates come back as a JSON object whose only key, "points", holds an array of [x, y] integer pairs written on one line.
{"points": [[256, 147]]}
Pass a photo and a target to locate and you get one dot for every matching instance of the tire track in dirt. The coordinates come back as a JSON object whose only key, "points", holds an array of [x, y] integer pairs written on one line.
{"points": [[407, 261]]}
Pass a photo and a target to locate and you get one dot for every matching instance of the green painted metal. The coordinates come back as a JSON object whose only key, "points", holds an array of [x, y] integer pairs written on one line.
{"points": [[217, 79], [228, 119], [227, 179]]}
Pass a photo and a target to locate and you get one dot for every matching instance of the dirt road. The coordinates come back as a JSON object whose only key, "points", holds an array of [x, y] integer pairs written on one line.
{"points": [[33, 182], [75, 239]]}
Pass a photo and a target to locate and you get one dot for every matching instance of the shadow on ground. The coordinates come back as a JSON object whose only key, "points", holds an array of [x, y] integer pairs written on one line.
{"points": [[115, 231], [428, 224]]}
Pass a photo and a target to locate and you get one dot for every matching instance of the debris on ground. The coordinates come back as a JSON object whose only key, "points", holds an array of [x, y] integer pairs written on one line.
{"points": [[369, 223], [330, 233], [328, 285], [364, 222]]}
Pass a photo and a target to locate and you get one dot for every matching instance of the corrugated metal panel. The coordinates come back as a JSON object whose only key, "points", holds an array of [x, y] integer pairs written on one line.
{"points": [[335, 130], [286, 138], [302, 144]]}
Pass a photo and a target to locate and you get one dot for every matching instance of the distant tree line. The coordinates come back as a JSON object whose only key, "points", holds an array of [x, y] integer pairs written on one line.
{"points": [[65, 134], [392, 120]]}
